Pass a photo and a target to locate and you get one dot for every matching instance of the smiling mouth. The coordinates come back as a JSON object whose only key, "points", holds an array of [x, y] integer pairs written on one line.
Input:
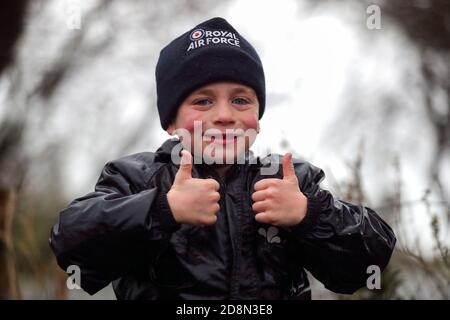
{"points": [[224, 139]]}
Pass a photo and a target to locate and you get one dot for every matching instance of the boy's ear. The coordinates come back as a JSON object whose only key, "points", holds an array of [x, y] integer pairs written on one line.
{"points": [[171, 129]]}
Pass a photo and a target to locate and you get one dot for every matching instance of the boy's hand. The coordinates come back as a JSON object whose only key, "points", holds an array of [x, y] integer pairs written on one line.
{"points": [[193, 201], [279, 201]]}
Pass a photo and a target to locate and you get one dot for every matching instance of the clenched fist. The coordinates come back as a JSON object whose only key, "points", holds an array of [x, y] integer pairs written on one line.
{"points": [[279, 201], [193, 201]]}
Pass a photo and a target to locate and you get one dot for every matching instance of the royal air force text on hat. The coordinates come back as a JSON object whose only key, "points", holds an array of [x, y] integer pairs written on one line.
{"points": [[200, 38]]}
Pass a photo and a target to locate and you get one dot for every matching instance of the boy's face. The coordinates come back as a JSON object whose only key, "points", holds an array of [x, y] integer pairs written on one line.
{"points": [[218, 121]]}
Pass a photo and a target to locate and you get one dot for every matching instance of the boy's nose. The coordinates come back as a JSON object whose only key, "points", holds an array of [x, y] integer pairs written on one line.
{"points": [[223, 114]]}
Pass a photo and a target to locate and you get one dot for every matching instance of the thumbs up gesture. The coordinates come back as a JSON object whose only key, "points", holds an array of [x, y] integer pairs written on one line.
{"points": [[193, 201], [279, 201]]}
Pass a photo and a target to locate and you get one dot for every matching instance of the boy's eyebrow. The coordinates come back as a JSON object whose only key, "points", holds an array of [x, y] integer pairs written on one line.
{"points": [[241, 90]]}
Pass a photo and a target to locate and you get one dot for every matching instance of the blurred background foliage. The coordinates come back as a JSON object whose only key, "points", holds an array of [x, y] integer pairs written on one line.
{"points": [[63, 93]]}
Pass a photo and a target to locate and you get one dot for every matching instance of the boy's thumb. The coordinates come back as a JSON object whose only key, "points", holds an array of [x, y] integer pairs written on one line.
{"points": [[288, 167], [185, 170]]}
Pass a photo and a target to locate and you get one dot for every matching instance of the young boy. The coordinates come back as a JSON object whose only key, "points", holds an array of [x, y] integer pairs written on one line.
{"points": [[222, 224]]}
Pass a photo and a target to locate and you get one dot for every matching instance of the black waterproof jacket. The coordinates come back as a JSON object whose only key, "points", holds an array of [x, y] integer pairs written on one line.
{"points": [[125, 233]]}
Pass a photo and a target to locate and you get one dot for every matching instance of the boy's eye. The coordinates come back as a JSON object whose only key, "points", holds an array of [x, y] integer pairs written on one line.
{"points": [[240, 101], [202, 102]]}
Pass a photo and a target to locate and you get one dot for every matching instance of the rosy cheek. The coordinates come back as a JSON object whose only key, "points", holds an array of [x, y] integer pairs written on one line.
{"points": [[250, 121], [190, 119]]}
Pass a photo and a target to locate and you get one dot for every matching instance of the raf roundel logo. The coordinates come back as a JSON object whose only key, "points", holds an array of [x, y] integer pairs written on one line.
{"points": [[197, 34]]}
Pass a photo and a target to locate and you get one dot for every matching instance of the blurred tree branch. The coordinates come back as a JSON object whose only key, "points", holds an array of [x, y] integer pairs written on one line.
{"points": [[427, 24], [12, 16]]}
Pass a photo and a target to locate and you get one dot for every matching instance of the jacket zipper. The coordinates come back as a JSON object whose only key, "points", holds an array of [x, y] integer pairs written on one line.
{"points": [[234, 281]]}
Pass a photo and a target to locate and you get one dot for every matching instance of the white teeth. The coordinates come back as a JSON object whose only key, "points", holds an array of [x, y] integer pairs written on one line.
{"points": [[220, 139], [224, 137]]}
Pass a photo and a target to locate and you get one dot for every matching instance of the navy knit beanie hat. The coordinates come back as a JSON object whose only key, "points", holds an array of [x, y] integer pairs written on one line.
{"points": [[212, 51]]}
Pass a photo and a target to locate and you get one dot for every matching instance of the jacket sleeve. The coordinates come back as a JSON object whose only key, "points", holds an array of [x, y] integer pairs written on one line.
{"points": [[338, 240], [118, 228]]}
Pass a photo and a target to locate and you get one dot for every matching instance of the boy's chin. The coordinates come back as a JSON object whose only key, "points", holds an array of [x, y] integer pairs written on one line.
{"points": [[220, 160]]}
